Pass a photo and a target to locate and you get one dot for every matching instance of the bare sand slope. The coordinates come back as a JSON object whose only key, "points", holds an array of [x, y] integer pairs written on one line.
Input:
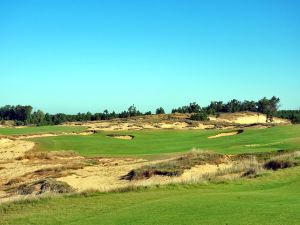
{"points": [[139, 125], [11, 149], [107, 178], [102, 177], [246, 118]]}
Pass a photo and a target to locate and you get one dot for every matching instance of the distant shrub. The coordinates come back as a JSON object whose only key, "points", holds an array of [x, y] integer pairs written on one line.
{"points": [[148, 113], [160, 110], [200, 116], [279, 164], [250, 173]]}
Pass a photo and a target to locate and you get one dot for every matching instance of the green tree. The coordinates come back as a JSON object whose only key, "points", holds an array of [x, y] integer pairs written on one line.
{"points": [[268, 107], [37, 118], [200, 116], [160, 110]]}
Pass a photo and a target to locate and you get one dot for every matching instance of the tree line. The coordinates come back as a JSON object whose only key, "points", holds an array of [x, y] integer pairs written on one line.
{"points": [[264, 105], [292, 115], [24, 115]]}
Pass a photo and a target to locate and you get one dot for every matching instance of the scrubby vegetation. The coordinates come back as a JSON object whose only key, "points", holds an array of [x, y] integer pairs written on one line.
{"points": [[270, 199], [270, 194], [175, 167], [200, 116], [292, 115], [43, 186], [243, 165]]}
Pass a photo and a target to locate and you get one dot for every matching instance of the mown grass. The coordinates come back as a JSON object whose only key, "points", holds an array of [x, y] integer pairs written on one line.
{"points": [[149, 142], [40, 130], [269, 199]]}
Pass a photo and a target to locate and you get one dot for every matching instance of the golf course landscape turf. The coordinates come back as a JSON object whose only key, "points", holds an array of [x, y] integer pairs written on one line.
{"points": [[270, 199], [147, 142]]}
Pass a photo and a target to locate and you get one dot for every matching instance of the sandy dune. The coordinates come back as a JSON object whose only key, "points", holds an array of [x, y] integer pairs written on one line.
{"points": [[11, 149], [246, 118]]}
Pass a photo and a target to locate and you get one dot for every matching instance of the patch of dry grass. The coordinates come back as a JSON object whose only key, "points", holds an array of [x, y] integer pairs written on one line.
{"points": [[175, 167], [238, 166], [36, 155]]}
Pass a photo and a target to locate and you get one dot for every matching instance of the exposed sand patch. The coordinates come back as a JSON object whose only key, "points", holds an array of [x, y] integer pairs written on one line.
{"points": [[195, 174], [122, 137], [12, 149], [201, 170], [140, 124], [107, 178], [246, 118], [226, 134], [201, 126], [103, 177]]}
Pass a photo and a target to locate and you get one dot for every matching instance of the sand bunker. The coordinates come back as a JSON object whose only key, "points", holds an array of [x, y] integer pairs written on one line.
{"points": [[227, 134], [123, 137]]}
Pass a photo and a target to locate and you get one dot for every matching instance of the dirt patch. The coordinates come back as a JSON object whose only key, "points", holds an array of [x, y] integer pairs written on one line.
{"points": [[227, 134], [123, 137]]}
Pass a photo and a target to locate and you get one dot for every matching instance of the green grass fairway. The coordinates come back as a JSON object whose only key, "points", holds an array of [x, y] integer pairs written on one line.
{"points": [[271, 199], [172, 141], [40, 130]]}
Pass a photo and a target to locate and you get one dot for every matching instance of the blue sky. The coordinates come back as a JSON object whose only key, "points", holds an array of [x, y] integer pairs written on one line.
{"points": [[77, 56]]}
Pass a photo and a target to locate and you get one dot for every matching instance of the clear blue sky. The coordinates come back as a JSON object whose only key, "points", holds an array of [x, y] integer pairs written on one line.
{"points": [[71, 56]]}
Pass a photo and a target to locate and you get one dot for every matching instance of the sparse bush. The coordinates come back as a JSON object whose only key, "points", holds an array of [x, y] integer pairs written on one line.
{"points": [[200, 116], [251, 173], [174, 167], [42, 186], [160, 110], [276, 164]]}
